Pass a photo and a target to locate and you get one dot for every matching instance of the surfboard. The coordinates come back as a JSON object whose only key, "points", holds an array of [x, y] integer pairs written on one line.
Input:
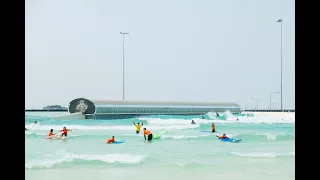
{"points": [[159, 134], [230, 140], [118, 142], [55, 137], [207, 131]]}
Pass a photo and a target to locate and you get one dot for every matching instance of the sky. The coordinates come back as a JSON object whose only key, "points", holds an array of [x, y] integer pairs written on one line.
{"points": [[176, 50]]}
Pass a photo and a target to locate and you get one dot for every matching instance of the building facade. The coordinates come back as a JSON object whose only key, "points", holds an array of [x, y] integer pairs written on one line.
{"points": [[111, 109]]}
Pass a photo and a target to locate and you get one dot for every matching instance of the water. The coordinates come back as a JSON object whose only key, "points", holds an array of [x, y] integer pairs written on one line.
{"points": [[266, 152]]}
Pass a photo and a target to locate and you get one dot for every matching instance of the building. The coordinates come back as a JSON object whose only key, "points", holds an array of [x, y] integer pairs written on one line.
{"points": [[113, 109]]}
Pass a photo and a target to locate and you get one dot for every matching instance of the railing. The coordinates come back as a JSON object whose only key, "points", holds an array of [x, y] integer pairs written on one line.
{"points": [[269, 110]]}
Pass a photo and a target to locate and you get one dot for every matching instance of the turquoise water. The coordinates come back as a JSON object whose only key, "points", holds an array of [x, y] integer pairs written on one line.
{"points": [[266, 152]]}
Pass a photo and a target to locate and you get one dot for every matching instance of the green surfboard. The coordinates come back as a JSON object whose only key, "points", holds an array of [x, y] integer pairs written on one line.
{"points": [[159, 134]]}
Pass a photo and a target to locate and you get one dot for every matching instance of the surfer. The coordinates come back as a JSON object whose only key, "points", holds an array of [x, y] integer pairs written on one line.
{"points": [[50, 133], [203, 117], [32, 126], [192, 122], [217, 114], [65, 131], [148, 133], [138, 126], [111, 140], [213, 127], [223, 136]]}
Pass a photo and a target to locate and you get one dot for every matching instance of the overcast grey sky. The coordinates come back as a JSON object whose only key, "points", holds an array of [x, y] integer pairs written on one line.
{"points": [[177, 50]]}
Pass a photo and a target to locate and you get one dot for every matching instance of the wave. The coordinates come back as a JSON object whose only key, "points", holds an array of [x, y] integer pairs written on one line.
{"points": [[263, 155], [183, 136], [123, 127], [266, 136], [198, 121], [87, 158]]}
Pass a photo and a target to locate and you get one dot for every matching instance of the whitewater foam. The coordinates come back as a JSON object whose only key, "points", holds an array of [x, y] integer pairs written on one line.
{"points": [[107, 158], [263, 155]]}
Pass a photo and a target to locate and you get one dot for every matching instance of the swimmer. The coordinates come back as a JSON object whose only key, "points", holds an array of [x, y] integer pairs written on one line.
{"points": [[111, 140], [65, 131], [138, 126], [213, 127], [192, 122], [148, 133]]}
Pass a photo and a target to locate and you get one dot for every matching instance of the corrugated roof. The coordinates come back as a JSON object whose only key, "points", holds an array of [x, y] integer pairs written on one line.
{"points": [[130, 102]]}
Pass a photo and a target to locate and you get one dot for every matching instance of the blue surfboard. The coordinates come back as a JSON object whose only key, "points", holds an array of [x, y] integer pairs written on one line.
{"points": [[230, 140], [118, 142], [208, 131]]}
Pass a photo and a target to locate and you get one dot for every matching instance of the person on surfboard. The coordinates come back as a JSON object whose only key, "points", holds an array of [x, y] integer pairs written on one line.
{"points": [[65, 131], [224, 136], [213, 127], [111, 140], [148, 133], [192, 122], [217, 114], [203, 117], [138, 126], [32, 126]]}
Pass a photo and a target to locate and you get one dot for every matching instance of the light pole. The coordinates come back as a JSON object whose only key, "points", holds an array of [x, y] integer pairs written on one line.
{"points": [[257, 102], [270, 97], [123, 33], [280, 21]]}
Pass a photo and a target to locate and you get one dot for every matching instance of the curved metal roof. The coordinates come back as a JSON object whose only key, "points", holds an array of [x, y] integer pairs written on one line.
{"points": [[177, 103]]}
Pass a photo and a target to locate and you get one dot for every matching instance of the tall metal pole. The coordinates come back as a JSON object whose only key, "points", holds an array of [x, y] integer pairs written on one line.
{"points": [[123, 33], [270, 98], [280, 21]]}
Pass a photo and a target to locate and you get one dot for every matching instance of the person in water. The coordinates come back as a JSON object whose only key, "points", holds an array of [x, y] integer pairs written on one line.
{"points": [[192, 122], [203, 117], [65, 131], [213, 127], [147, 133], [50, 133], [217, 114], [32, 126], [138, 126], [223, 136], [111, 140]]}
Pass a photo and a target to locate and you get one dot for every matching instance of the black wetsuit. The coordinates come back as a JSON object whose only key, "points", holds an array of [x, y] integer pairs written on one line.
{"points": [[150, 136]]}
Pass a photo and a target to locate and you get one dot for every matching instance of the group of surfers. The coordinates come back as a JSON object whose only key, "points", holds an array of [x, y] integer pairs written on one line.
{"points": [[148, 135], [51, 135]]}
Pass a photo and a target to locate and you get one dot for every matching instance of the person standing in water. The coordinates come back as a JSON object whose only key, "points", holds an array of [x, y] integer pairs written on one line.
{"points": [[138, 126], [65, 131], [213, 127], [147, 133]]}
